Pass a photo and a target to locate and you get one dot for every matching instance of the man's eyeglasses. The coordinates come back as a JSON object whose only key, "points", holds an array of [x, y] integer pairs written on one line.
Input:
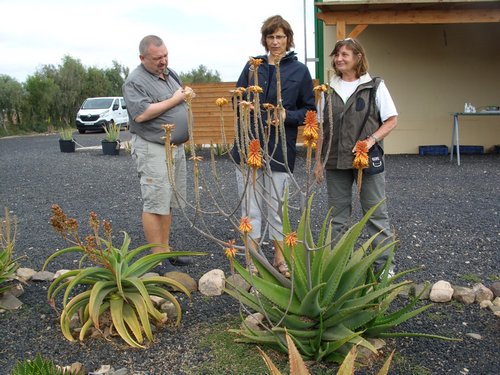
{"points": [[279, 38]]}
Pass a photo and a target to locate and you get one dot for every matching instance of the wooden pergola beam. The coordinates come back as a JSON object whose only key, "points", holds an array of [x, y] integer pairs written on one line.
{"points": [[387, 17]]}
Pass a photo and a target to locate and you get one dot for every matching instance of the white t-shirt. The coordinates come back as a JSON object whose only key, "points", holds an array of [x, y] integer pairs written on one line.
{"points": [[383, 99]]}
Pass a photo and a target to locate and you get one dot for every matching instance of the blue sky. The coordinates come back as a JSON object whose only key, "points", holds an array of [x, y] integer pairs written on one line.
{"points": [[219, 34]]}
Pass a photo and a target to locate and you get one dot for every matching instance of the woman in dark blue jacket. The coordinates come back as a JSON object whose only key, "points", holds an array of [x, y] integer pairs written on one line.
{"points": [[297, 98]]}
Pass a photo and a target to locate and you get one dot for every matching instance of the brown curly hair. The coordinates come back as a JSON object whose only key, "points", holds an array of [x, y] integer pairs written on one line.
{"points": [[357, 49]]}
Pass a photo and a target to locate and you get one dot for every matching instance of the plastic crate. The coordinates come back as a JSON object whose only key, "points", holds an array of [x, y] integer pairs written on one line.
{"points": [[433, 150], [469, 150]]}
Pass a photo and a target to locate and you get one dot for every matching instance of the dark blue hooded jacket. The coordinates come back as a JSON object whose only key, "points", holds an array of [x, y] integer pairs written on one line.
{"points": [[297, 96]]}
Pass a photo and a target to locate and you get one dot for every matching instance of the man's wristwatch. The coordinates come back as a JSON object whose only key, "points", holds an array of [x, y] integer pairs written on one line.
{"points": [[375, 139]]}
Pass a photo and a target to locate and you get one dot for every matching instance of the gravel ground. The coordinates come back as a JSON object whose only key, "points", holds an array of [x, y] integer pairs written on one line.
{"points": [[446, 219]]}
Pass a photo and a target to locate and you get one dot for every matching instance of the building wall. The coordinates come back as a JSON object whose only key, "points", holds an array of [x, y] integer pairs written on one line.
{"points": [[431, 71]]}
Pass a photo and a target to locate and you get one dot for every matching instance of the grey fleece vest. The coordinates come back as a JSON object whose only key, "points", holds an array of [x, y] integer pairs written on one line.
{"points": [[348, 124]]}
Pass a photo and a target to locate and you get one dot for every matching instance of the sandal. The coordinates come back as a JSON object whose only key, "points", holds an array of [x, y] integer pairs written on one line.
{"points": [[282, 268]]}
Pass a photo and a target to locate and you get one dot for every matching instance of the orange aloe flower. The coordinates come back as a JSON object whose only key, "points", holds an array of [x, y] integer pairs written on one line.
{"points": [[230, 251], [311, 129], [291, 239], [360, 161], [246, 105], [254, 154], [255, 89], [221, 102], [320, 88], [239, 91], [245, 225], [255, 62]]}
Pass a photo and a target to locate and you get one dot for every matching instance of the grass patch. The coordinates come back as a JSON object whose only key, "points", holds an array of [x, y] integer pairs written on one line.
{"points": [[406, 366], [224, 356], [228, 357], [494, 277], [471, 278]]}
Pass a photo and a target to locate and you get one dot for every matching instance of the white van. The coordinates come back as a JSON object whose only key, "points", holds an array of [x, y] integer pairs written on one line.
{"points": [[95, 113]]}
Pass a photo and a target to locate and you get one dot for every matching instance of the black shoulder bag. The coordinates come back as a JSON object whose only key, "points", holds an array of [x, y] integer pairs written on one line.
{"points": [[376, 153]]}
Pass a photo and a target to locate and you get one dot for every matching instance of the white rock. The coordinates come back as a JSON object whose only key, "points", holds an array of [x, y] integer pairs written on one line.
{"points": [[464, 295], [212, 283], [59, 273], [253, 322], [157, 301], [25, 273], [169, 308], [43, 276], [485, 304], [441, 292], [103, 370], [16, 290], [496, 302], [474, 336], [238, 281], [482, 293]]}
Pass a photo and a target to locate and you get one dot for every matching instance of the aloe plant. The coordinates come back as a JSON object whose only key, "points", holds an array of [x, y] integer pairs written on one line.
{"points": [[116, 284], [8, 265], [40, 366], [333, 300]]}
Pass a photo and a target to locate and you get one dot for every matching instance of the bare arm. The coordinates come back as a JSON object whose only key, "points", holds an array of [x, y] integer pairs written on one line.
{"points": [[382, 132], [156, 109]]}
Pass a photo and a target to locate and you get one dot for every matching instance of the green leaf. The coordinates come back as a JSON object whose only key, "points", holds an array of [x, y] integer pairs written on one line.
{"points": [[144, 264], [139, 286], [142, 310], [88, 323], [90, 274], [116, 308], [277, 294], [132, 322], [73, 249], [98, 293], [310, 304], [380, 328], [155, 290]]}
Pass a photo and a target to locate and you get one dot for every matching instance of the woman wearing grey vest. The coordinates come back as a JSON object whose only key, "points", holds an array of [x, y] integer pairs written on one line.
{"points": [[362, 110]]}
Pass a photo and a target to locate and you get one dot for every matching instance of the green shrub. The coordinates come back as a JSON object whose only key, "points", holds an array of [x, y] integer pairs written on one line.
{"points": [[115, 287], [333, 300]]}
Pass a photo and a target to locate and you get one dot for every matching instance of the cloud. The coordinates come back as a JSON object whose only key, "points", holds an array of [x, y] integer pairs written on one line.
{"points": [[219, 34]]}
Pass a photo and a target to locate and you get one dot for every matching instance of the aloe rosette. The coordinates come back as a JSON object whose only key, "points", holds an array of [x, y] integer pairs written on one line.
{"points": [[333, 301], [119, 287]]}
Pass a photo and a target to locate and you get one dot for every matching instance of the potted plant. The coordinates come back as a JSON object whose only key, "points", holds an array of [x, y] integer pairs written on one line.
{"points": [[66, 141], [111, 143]]}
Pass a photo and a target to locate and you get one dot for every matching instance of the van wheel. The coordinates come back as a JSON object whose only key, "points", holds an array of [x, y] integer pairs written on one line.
{"points": [[81, 131]]}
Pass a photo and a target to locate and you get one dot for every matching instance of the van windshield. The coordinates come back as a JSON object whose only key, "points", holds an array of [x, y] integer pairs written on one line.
{"points": [[100, 103]]}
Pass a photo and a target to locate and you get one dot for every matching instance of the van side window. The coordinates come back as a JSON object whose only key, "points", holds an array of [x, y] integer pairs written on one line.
{"points": [[124, 105], [115, 105]]}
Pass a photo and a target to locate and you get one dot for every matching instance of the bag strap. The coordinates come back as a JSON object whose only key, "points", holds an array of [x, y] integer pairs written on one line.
{"points": [[174, 76], [371, 99]]}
